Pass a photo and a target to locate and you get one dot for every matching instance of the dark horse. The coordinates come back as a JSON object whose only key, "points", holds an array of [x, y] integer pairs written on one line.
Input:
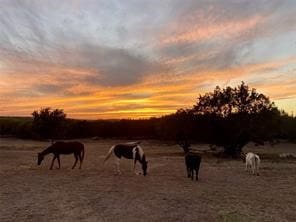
{"points": [[192, 160], [58, 148], [129, 151]]}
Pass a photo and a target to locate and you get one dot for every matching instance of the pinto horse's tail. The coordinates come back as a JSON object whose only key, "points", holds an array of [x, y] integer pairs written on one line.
{"points": [[109, 154]]}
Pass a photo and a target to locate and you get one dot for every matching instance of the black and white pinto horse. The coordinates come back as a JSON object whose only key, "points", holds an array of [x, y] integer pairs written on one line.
{"points": [[130, 150]]}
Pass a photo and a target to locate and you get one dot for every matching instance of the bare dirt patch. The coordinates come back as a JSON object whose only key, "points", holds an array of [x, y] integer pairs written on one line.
{"points": [[225, 191]]}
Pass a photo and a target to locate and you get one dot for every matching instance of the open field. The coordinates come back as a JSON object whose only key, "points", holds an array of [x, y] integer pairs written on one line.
{"points": [[225, 191]]}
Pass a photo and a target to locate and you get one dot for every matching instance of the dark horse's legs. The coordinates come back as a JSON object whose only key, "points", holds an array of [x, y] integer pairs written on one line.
{"points": [[76, 159], [197, 169], [53, 159], [196, 174], [188, 172]]}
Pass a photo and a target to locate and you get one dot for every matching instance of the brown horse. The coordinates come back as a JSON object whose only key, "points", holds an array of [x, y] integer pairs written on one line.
{"points": [[58, 148]]}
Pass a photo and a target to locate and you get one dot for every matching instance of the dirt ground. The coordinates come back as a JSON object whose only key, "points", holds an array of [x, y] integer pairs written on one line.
{"points": [[225, 192]]}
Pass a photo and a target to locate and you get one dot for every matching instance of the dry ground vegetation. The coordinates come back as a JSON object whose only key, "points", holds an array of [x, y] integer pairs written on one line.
{"points": [[225, 192]]}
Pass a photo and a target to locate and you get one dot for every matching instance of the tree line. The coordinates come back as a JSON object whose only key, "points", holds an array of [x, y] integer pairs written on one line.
{"points": [[229, 117]]}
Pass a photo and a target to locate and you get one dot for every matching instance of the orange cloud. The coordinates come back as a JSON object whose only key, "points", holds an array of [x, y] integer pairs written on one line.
{"points": [[114, 102], [220, 30], [158, 96]]}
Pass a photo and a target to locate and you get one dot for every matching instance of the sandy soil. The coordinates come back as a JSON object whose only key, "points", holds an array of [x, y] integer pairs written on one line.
{"points": [[225, 191]]}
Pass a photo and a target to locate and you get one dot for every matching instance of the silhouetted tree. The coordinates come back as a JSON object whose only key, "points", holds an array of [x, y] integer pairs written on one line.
{"points": [[237, 116], [48, 123], [223, 102]]}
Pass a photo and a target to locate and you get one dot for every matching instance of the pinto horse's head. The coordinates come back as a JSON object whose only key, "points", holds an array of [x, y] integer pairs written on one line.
{"points": [[144, 167], [40, 158]]}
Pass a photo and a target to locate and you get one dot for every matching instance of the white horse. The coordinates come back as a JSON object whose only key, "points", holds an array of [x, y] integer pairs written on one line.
{"points": [[252, 162], [130, 150]]}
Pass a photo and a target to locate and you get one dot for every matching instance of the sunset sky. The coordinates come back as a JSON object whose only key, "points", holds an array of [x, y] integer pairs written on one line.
{"points": [[137, 59]]}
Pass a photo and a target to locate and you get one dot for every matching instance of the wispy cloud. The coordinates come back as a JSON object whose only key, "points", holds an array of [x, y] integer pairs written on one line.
{"points": [[229, 29]]}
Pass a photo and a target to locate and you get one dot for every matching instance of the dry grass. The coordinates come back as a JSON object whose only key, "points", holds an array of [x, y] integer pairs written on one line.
{"points": [[225, 191]]}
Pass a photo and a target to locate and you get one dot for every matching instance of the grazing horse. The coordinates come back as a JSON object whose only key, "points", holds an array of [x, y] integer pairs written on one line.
{"points": [[58, 148], [192, 160], [130, 151], [252, 162]]}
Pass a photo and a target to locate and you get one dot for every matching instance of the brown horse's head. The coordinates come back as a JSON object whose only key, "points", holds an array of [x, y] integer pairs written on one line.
{"points": [[144, 167], [40, 158]]}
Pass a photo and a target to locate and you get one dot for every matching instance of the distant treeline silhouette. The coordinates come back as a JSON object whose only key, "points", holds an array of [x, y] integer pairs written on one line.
{"points": [[229, 117]]}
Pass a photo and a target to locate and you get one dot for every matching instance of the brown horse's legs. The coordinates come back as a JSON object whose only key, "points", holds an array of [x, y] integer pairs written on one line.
{"points": [[76, 159], [59, 162], [53, 159], [80, 160]]}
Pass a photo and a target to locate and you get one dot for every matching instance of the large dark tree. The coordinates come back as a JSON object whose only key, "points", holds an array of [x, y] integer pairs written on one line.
{"points": [[48, 123], [237, 116], [237, 100]]}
